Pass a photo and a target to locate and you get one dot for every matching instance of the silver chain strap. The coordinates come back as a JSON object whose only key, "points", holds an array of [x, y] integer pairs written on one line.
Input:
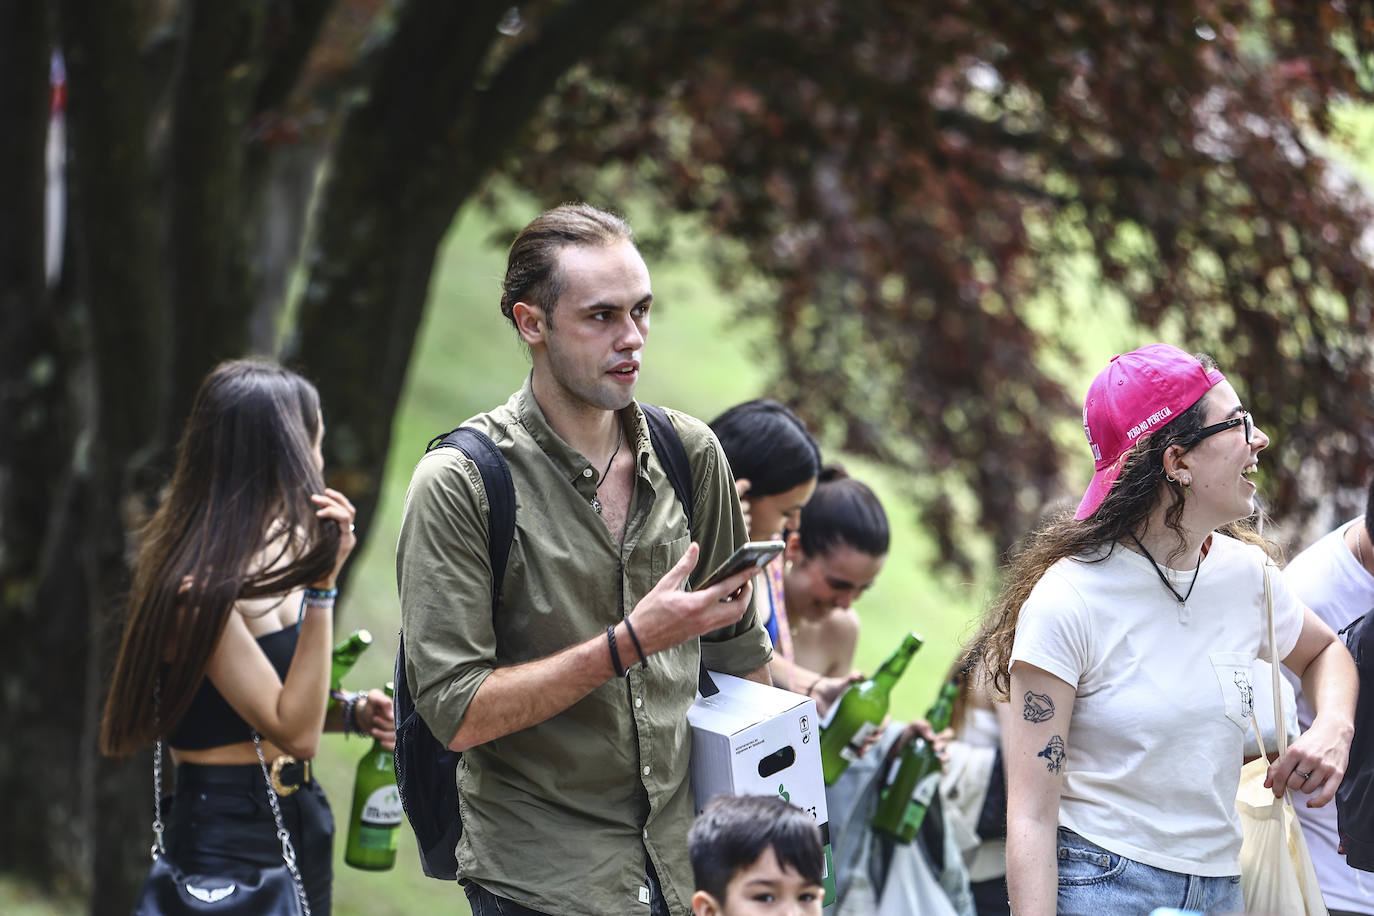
{"points": [[288, 852]]}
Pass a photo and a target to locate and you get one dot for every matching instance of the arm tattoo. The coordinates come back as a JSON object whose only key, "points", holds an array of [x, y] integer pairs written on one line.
{"points": [[1038, 708], [1053, 754]]}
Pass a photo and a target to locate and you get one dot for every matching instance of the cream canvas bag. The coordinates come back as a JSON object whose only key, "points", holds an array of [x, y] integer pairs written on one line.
{"points": [[1276, 871]]}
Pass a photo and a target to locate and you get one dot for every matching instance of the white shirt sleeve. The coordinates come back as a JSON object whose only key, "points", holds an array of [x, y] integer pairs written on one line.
{"points": [[1053, 632]]}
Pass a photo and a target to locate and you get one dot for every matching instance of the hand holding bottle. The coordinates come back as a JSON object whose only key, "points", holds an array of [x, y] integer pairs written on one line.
{"points": [[376, 718]]}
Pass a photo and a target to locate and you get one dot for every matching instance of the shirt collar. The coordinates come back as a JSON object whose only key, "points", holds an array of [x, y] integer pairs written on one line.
{"points": [[571, 463]]}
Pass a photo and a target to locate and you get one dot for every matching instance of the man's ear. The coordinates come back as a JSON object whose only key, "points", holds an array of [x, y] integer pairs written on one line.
{"points": [[530, 321], [703, 904], [793, 552]]}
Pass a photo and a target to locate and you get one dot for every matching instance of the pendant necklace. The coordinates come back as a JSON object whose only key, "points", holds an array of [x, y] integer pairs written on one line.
{"points": [[1183, 598], [596, 503]]}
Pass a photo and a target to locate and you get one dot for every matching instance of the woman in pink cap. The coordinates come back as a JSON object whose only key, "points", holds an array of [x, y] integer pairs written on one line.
{"points": [[1124, 637]]}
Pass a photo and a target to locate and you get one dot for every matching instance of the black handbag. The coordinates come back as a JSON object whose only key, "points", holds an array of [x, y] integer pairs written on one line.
{"points": [[250, 891]]}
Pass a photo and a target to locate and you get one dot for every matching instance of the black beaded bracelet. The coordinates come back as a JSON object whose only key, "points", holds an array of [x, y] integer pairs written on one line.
{"points": [[643, 659], [615, 655]]}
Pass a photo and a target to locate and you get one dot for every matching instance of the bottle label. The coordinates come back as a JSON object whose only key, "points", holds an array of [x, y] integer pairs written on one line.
{"points": [[855, 747], [925, 789], [382, 809], [382, 838]]}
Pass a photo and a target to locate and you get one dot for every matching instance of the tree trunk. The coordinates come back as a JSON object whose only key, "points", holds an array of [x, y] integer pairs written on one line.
{"points": [[34, 431], [408, 158]]}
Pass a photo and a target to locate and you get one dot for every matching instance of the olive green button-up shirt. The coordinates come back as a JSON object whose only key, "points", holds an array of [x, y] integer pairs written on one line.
{"points": [[560, 816]]}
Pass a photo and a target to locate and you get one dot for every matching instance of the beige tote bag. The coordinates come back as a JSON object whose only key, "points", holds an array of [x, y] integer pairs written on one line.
{"points": [[1276, 872]]}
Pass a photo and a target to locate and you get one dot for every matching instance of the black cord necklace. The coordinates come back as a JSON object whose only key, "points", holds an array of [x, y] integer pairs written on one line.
{"points": [[1183, 598], [596, 503]]}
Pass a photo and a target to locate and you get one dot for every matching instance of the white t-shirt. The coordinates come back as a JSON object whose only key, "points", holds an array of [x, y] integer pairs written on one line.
{"points": [[1163, 696], [1329, 580]]}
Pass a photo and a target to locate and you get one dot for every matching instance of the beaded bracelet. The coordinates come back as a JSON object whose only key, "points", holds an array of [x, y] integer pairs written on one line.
{"points": [[327, 593], [348, 710]]}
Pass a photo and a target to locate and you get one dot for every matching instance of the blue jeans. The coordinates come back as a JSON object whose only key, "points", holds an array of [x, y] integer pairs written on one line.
{"points": [[1094, 882]]}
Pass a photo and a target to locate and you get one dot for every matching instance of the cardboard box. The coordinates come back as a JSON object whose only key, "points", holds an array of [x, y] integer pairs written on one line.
{"points": [[749, 739]]}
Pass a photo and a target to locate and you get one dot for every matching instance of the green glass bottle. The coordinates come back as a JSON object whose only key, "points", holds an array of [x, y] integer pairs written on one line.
{"points": [[376, 821], [860, 711], [902, 806], [346, 655]]}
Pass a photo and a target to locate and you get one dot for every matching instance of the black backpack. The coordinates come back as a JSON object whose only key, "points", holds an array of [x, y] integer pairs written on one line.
{"points": [[1355, 797], [426, 770]]}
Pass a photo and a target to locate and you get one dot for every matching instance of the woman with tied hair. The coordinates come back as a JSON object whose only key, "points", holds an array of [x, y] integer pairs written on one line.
{"points": [[1125, 635], [230, 629], [832, 559]]}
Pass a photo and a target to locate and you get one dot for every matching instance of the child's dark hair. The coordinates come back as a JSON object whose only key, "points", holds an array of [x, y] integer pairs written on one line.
{"points": [[734, 830], [768, 445], [843, 511]]}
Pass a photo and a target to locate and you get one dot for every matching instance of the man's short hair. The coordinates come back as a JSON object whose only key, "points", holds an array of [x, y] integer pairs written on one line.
{"points": [[532, 273], [734, 830]]}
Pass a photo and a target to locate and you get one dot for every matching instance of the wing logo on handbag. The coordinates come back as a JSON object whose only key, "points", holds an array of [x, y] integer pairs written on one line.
{"points": [[210, 894]]}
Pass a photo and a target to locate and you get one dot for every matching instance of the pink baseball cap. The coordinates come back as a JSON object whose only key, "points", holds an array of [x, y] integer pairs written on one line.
{"points": [[1136, 394]]}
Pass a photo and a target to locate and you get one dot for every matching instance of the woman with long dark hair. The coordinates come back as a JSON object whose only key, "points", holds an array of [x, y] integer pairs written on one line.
{"points": [[1124, 635], [230, 628], [775, 463]]}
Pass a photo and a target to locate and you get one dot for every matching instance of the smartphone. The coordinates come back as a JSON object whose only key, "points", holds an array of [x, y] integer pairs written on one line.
{"points": [[754, 554]]}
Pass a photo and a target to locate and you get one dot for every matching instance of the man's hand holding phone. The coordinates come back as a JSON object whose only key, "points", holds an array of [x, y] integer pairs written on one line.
{"points": [[669, 616], [754, 555]]}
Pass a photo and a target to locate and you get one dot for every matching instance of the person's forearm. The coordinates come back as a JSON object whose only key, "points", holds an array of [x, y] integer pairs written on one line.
{"points": [[761, 675], [1032, 869], [790, 676], [305, 692], [519, 696], [1332, 683]]}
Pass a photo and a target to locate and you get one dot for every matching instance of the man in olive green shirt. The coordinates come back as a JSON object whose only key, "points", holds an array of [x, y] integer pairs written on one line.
{"points": [[574, 785]]}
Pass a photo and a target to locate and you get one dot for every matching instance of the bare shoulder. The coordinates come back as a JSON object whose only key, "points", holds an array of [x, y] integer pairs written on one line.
{"points": [[827, 645]]}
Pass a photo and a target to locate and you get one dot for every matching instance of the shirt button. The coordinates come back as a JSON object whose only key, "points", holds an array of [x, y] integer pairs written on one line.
{"points": [[586, 472], [639, 701], [646, 834], [646, 770]]}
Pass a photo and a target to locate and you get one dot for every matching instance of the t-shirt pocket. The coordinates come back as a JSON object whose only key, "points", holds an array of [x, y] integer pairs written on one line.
{"points": [[1237, 686]]}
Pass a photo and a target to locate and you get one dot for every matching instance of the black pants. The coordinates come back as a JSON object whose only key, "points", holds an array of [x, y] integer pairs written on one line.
{"points": [[220, 821], [484, 903]]}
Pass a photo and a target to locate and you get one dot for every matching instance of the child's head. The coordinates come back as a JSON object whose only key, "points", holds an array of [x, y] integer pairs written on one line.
{"points": [[755, 854]]}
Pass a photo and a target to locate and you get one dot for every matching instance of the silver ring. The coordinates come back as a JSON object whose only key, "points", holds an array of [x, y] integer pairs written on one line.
{"points": [[350, 527], [1305, 776]]}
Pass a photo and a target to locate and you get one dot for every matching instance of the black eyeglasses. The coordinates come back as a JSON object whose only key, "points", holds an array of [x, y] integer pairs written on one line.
{"points": [[1224, 425]]}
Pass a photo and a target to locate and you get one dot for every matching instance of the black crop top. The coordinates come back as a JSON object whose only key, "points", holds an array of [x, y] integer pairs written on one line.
{"points": [[211, 721]]}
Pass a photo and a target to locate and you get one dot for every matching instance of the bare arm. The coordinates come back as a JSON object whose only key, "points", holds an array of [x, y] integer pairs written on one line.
{"points": [[1330, 679], [519, 696], [1034, 743], [289, 713]]}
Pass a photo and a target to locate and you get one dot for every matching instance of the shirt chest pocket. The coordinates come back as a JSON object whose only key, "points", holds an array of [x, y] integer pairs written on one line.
{"points": [[663, 557], [651, 562], [1234, 679]]}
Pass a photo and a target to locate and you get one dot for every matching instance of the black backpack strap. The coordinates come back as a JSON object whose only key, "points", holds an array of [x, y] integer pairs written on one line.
{"points": [[496, 480], [426, 770], [668, 446]]}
